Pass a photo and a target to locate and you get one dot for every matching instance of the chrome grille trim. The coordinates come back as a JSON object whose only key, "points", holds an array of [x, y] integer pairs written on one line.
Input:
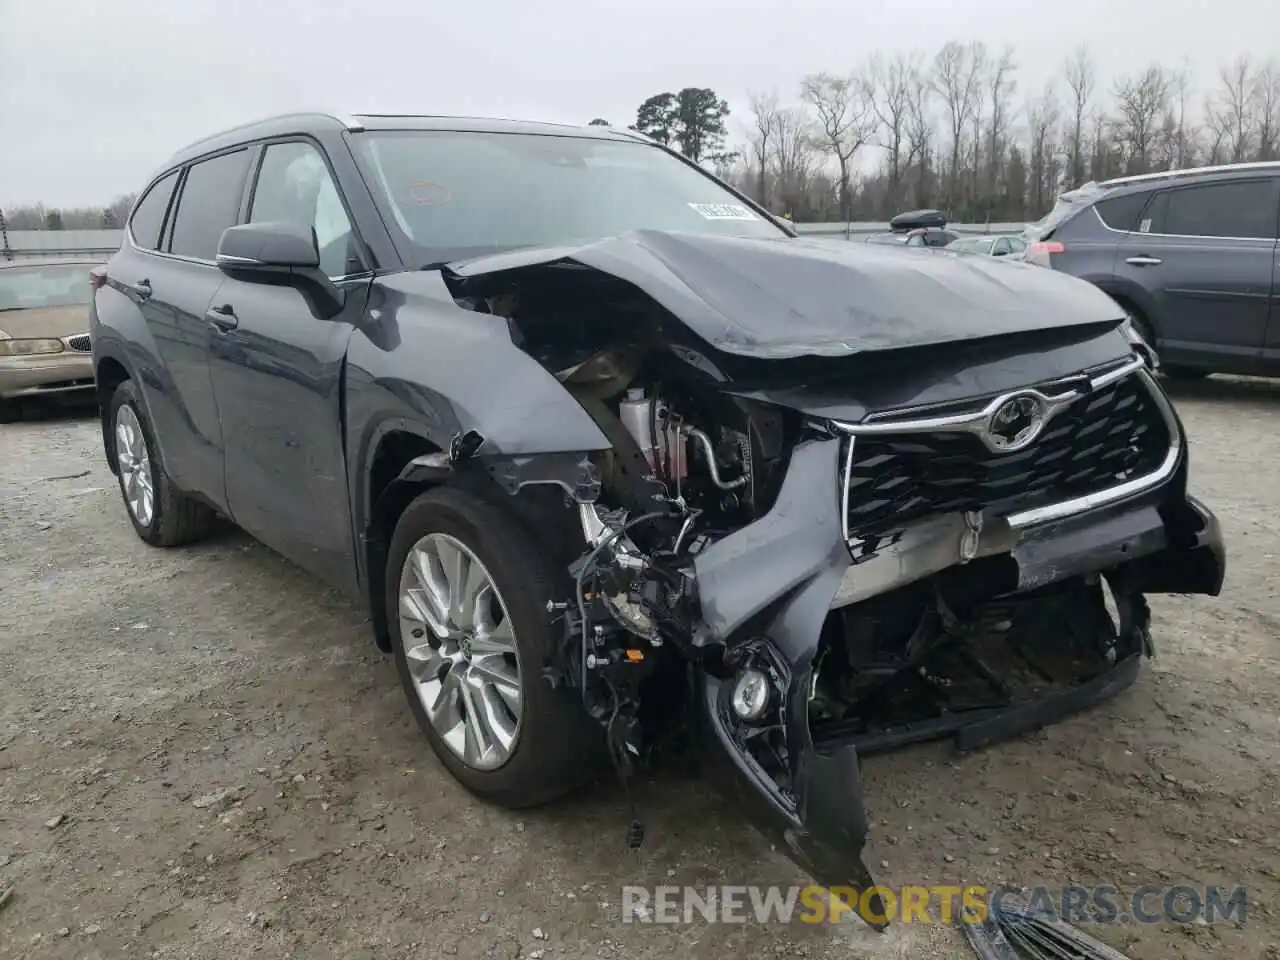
{"points": [[974, 421], [1049, 512], [1101, 498]]}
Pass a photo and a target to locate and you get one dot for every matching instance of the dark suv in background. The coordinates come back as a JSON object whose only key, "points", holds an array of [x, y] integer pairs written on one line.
{"points": [[1190, 254]]}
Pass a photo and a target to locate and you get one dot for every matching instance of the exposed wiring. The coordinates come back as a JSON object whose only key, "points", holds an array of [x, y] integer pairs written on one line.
{"points": [[635, 832], [587, 564]]}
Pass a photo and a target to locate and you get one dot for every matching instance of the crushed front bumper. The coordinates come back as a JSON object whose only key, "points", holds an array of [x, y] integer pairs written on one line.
{"points": [[771, 585]]}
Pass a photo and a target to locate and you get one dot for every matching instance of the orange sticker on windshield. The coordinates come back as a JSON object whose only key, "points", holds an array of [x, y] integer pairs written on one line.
{"points": [[427, 193]]}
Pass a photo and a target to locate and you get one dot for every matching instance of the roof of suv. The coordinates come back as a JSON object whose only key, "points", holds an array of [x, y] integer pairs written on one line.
{"points": [[1075, 201], [311, 122]]}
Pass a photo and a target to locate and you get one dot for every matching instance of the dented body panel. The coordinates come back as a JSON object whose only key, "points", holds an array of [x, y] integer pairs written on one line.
{"points": [[838, 341], [791, 297]]}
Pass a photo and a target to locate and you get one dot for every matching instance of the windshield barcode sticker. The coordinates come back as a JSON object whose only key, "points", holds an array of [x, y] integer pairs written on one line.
{"points": [[724, 211]]}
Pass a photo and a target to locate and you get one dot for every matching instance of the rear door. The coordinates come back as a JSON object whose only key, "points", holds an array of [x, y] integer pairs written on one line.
{"points": [[173, 289], [1203, 256], [277, 374]]}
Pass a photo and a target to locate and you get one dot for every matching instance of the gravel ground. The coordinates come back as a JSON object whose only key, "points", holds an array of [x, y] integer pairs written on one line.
{"points": [[202, 754]]}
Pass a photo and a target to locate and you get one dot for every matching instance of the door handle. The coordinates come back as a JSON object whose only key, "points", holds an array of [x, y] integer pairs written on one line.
{"points": [[1144, 261], [223, 318], [143, 289]]}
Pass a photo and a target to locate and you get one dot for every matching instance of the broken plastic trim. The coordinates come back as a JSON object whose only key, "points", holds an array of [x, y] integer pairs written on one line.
{"points": [[1041, 935]]}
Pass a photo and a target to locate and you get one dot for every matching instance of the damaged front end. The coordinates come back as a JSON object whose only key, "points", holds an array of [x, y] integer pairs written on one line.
{"points": [[818, 579]]}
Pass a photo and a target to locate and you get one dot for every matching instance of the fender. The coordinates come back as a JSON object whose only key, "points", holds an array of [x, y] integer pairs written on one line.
{"points": [[480, 380]]}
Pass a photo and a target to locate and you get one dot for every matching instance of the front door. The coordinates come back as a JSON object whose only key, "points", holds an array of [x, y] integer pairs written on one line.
{"points": [[277, 376], [1204, 254]]}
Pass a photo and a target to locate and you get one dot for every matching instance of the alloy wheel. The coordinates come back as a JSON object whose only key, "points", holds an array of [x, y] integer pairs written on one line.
{"points": [[134, 459], [460, 647]]}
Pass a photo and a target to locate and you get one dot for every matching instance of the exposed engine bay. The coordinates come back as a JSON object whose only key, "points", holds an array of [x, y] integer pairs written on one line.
{"points": [[791, 591], [692, 463]]}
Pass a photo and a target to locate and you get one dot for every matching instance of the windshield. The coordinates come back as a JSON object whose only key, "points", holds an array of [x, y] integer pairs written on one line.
{"points": [[50, 285], [454, 195]]}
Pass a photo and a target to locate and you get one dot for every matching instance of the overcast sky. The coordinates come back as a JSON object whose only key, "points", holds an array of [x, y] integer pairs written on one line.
{"points": [[95, 95]]}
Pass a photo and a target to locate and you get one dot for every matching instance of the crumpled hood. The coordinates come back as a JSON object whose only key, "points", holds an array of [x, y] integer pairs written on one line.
{"points": [[797, 297], [38, 322]]}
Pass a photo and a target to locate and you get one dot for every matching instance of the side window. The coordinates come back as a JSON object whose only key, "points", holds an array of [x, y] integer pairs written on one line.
{"points": [[209, 203], [1121, 213], [148, 217], [294, 186], [1002, 248], [1016, 245], [1234, 209], [1152, 219]]}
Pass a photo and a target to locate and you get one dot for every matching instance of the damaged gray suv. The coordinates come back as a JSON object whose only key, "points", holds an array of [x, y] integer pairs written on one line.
{"points": [[617, 461]]}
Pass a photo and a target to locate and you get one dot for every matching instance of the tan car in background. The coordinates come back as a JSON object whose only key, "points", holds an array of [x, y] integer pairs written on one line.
{"points": [[44, 332]]}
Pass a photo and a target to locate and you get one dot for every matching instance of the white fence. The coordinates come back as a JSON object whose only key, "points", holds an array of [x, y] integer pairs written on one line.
{"points": [[60, 243]]}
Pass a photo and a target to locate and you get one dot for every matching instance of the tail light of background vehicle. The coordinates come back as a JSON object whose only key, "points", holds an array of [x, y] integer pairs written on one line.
{"points": [[1045, 247], [98, 278]]}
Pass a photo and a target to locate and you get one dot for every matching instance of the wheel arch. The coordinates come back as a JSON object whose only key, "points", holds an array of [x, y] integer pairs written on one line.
{"points": [[108, 373], [386, 491], [537, 492]]}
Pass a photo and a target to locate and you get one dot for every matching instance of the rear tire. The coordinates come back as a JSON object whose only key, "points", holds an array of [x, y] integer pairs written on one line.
{"points": [[161, 514], [554, 741]]}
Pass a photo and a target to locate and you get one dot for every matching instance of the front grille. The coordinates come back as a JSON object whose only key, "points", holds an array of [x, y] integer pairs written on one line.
{"points": [[80, 342], [1111, 435]]}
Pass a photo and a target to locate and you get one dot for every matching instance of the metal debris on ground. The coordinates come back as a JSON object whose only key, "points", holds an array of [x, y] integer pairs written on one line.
{"points": [[1012, 933]]}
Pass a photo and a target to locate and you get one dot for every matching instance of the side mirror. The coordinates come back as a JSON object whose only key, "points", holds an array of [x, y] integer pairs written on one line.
{"points": [[282, 254], [269, 247]]}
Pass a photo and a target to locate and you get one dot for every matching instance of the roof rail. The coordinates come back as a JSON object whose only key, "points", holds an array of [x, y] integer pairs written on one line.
{"points": [[348, 121], [1191, 172], [450, 116]]}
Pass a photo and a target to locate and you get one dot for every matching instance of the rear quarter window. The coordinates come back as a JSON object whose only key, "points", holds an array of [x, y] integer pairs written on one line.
{"points": [[148, 217], [1121, 213]]}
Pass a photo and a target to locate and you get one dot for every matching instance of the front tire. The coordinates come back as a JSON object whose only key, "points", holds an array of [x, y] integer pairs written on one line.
{"points": [[467, 592], [160, 513]]}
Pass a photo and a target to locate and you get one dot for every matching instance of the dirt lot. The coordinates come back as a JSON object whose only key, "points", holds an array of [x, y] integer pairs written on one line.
{"points": [[140, 685]]}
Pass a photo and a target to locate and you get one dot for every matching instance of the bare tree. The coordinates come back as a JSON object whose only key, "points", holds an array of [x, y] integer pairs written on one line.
{"points": [[1042, 119], [764, 110], [1266, 109], [956, 72], [892, 82], [1079, 73], [1234, 107], [1187, 133], [794, 160], [1141, 101], [845, 121], [1001, 86], [919, 131]]}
